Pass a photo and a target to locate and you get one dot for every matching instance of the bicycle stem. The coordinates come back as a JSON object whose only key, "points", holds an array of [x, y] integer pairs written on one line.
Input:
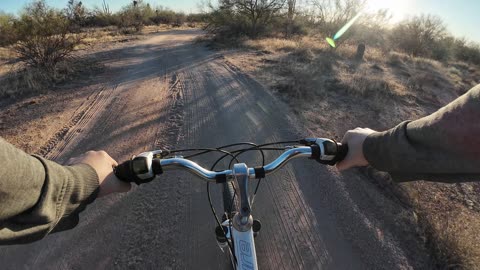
{"points": [[242, 221]]}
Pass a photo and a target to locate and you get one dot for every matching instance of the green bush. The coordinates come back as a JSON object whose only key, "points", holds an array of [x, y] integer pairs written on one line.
{"points": [[193, 19], [238, 17], [163, 16], [76, 14], [130, 18], [43, 34], [179, 20], [7, 31]]}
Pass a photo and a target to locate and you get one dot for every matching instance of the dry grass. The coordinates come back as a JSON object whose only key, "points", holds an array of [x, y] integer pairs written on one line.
{"points": [[285, 45], [27, 80], [379, 92], [16, 79], [451, 222], [6, 54]]}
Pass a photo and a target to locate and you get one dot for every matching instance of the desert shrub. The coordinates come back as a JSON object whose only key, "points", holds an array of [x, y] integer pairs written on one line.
{"points": [[43, 34], [76, 14], [7, 31], [225, 24], [101, 17], [281, 25], [238, 18], [419, 35], [130, 19], [372, 30], [146, 13], [331, 15], [179, 19], [443, 49], [163, 16], [467, 52], [194, 18]]}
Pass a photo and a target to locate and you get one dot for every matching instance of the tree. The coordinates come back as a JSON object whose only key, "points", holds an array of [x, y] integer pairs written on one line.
{"points": [[258, 12], [237, 17]]}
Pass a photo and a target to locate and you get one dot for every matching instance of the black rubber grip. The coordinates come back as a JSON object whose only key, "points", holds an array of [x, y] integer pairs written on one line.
{"points": [[340, 154], [259, 172], [342, 151], [125, 173]]}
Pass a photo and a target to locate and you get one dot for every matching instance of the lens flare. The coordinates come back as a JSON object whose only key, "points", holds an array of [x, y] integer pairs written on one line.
{"points": [[346, 26], [342, 30], [331, 42]]}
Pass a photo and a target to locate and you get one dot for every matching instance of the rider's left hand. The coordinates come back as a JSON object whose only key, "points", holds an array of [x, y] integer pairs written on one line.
{"points": [[103, 164]]}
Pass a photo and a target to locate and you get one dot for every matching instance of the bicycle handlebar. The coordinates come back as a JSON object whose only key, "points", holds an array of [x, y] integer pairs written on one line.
{"points": [[145, 167]]}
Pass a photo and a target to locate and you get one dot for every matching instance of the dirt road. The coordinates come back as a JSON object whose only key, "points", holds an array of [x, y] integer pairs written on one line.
{"points": [[169, 92]]}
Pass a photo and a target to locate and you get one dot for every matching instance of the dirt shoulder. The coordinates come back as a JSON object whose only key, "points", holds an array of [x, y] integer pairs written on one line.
{"points": [[332, 93]]}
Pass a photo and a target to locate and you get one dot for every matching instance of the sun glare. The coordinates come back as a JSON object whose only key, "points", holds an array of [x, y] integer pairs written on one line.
{"points": [[397, 8]]}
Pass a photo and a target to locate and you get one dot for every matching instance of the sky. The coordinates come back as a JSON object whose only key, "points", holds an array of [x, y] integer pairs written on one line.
{"points": [[462, 17], [178, 5]]}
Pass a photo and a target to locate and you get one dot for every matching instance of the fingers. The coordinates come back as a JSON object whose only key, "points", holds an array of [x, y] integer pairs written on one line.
{"points": [[355, 157], [342, 165], [111, 160]]}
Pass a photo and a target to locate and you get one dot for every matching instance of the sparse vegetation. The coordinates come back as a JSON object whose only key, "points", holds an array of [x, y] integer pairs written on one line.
{"points": [[38, 44], [43, 36], [400, 76], [7, 31], [419, 36], [408, 71]]}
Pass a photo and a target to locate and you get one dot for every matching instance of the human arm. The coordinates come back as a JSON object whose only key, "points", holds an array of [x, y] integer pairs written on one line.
{"points": [[38, 196], [444, 146]]}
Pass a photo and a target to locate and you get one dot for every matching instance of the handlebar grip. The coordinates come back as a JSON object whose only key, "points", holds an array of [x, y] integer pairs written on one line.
{"points": [[342, 151], [124, 172]]}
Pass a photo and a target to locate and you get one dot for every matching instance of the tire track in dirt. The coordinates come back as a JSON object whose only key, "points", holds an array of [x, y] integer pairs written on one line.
{"points": [[208, 112], [171, 135], [289, 206], [66, 136], [169, 192]]}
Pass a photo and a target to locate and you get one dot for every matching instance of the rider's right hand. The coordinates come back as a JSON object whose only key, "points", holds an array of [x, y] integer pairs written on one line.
{"points": [[354, 138]]}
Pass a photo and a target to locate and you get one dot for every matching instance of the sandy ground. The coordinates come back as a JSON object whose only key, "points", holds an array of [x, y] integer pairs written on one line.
{"points": [[166, 91]]}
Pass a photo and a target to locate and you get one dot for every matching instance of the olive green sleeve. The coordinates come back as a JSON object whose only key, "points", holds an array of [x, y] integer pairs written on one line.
{"points": [[38, 196], [444, 146]]}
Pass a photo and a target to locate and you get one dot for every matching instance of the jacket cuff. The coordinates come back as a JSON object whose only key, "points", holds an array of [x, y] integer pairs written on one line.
{"points": [[380, 148], [82, 188]]}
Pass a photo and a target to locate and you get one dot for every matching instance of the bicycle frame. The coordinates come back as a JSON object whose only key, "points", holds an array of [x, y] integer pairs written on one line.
{"points": [[245, 249]]}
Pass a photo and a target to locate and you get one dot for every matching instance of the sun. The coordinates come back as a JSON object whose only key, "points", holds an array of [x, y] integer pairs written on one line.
{"points": [[397, 8]]}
